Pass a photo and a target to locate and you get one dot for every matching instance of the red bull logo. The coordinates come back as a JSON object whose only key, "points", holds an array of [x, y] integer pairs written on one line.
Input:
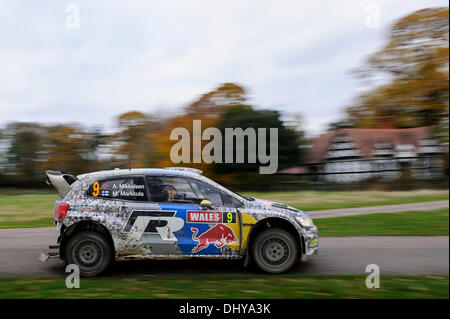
{"points": [[219, 235]]}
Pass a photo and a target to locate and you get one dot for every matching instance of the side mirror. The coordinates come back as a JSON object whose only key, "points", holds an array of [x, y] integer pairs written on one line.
{"points": [[206, 204]]}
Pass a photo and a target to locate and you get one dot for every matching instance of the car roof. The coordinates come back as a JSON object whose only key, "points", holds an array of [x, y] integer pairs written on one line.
{"points": [[142, 171]]}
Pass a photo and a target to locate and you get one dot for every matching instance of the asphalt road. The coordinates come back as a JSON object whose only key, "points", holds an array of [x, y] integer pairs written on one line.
{"points": [[20, 249]]}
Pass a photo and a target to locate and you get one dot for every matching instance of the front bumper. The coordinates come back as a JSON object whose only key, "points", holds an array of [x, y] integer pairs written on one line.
{"points": [[311, 241]]}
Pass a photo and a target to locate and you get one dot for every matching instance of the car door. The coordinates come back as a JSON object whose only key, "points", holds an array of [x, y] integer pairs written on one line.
{"points": [[205, 230], [123, 202]]}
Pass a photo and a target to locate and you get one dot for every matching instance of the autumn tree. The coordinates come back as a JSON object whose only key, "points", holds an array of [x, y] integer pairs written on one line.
{"points": [[131, 141], [208, 108], [70, 149], [33, 148], [215, 102], [408, 77]]}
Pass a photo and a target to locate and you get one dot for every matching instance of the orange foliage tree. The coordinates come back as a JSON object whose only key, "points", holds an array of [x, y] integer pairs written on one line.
{"points": [[208, 108], [69, 149], [131, 143], [410, 74]]}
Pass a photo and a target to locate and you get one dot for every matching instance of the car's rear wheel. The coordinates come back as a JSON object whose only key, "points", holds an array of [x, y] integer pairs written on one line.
{"points": [[90, 251], [275, 251]]}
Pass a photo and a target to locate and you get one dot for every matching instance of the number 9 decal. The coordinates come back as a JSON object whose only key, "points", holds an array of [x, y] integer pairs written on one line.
{"points": [[96, 188], [229, 217]]}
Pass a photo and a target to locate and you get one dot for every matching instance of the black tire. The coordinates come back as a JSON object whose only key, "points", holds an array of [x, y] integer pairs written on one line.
{"points": [[90, 251], [275, 251]]}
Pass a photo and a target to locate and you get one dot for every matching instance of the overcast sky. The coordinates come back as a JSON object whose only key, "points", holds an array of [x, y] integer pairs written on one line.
{"points": [[157, 56]]}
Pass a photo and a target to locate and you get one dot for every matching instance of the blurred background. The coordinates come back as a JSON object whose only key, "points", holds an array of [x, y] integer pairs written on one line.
{"points": [[359, 94], [357, 89]]}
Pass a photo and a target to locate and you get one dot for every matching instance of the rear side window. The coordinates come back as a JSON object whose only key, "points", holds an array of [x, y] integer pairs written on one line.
{"points": [[124, 187]]}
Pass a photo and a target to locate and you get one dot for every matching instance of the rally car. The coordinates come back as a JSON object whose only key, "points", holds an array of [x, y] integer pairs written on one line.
{"points": [[171, 213]]}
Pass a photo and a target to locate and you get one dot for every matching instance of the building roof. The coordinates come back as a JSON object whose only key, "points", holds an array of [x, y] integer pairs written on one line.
{"points": [[367, 139]]}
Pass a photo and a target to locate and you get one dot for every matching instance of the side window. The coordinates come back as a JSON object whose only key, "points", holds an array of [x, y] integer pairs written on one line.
{"points": [[227, 199], [123, 187], [171, 189], [208, 192], [230, 201]]}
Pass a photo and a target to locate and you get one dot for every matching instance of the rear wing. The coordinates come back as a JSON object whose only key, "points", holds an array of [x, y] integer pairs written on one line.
{"points": [[60, 181]]}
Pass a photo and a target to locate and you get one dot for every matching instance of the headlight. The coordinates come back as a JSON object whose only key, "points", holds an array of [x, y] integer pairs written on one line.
{"points": [[304, 221]]}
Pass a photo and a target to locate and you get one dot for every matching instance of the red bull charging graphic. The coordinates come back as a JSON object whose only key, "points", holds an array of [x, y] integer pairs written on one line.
{"points": [[204, 232], [219, 235]]}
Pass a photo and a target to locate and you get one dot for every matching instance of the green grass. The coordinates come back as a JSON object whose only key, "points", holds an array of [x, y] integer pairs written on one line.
{"points": [[418, 223], [26, 208], [320, 200], [231, 286], [34, 208]]}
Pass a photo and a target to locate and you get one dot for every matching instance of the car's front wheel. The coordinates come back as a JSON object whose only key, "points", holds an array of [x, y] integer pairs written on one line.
{"points": [[275, 251], [90, 251]]}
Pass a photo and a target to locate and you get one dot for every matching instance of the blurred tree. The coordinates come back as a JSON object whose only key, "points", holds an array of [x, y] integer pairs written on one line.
{"points": [[70, 149], [345, 123], [213, 103], [410, 75], [3, 151], [33, 148], [208, 108], [244, 116], [132, 140], [302, 141], [25, 149]]}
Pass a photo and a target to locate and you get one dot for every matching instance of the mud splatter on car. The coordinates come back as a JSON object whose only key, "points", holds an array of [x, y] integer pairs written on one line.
{"points": [[172, 213]]}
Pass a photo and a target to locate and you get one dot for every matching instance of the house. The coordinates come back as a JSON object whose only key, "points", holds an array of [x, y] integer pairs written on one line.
{"points": [[354, 155]]}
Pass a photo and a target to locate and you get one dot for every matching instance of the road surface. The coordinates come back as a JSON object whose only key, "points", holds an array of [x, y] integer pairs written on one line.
{"points": [[20, 249]]}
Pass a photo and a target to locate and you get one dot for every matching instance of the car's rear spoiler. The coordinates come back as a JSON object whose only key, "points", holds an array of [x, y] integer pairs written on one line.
{"points": [[60, 181]]}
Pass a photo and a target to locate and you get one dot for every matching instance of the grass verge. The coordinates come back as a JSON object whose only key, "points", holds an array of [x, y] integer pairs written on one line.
{"points": [[234, 286], [315, 200], [419, 223], [26, 209]]}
